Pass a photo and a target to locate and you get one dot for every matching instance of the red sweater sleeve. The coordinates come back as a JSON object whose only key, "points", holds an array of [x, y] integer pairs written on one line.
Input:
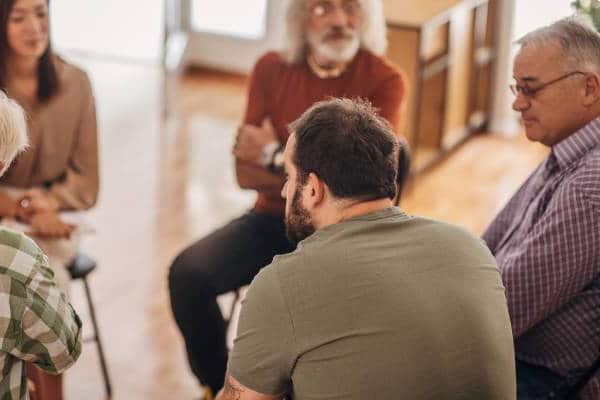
{"points": [[390, 99], [258, 91]]}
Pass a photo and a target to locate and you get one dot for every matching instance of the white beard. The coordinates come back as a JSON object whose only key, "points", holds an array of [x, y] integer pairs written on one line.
{"points": [[339, 51]]}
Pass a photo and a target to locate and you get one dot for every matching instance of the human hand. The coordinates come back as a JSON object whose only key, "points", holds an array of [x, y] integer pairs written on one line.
{"points": [[8, 206], [36, 201], [48, 225], [252, 139]]}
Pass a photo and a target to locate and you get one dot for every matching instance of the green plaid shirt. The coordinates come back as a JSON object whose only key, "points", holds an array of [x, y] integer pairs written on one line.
{"points": [[37, 324]]}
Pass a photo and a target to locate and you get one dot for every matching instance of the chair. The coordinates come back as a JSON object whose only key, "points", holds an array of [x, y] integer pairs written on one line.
{"points": [[175, 47], [80, 268]]}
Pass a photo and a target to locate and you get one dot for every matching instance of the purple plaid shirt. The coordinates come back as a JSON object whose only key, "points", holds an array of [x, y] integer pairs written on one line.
{"points": [[547, 244]]}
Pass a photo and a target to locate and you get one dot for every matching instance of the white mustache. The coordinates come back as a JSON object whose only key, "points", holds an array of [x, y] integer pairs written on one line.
{"points": [[337, 33]]}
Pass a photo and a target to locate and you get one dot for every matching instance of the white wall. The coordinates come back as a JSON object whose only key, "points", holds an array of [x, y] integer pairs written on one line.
{"points": [[233, 53], [531, 14], [219, 17], [130, 29]]}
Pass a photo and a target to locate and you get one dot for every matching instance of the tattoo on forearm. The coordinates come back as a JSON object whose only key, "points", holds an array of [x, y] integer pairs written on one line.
{"points": [[231, 391]]}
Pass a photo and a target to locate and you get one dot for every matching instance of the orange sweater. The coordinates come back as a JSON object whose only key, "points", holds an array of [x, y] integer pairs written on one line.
{"points": [[283, 92]]}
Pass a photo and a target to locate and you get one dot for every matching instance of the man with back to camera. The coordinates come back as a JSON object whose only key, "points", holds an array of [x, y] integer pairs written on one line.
{"points": [[547, 238], [334, 48], [373, 303]]}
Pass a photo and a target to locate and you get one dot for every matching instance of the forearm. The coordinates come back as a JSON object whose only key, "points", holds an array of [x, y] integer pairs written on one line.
{"points": [[250, 176], [76, 192], [234, 390]]}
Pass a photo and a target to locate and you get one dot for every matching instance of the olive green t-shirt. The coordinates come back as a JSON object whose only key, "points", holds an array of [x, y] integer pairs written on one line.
{"points": [[381, 306]]}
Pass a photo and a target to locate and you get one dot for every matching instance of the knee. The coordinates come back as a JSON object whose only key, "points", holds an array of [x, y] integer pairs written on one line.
{"points": [[189, 276], [181, 274]]}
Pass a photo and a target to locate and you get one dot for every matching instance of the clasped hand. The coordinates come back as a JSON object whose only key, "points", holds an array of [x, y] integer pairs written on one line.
{"points": [[47, 224], [251, 139], [39, 210]]}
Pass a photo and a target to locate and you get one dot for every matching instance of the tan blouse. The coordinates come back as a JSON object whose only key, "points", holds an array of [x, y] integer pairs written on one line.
{"points": [[63, 152]]}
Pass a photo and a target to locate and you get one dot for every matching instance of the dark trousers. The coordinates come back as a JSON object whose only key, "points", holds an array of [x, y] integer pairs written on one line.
{"points": [[221, 262], [539, 383]]}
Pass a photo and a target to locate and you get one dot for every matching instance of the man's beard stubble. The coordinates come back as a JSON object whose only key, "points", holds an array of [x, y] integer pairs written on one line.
{"points": [[298, 224]]}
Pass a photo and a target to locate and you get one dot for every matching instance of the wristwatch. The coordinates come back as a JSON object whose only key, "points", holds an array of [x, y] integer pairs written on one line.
{"points": [[276, 164], [267, 153]]}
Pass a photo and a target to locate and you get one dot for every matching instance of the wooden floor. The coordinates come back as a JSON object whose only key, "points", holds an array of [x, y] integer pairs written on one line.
{"points": [[165, 184]]}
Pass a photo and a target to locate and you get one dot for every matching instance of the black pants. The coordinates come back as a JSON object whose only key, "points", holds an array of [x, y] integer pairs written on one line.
{"points": [[539, 383], [221, 262]]}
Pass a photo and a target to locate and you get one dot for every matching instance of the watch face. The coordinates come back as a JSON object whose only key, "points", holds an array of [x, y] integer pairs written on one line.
{"points": [[278, 160], [264, 159]]}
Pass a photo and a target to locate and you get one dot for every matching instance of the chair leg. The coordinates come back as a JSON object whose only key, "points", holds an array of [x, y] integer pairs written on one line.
{"points": [[97, 338], [233, 304]]}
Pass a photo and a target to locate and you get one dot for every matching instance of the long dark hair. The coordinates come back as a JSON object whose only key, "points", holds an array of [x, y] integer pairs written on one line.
{"points": [[47, 76]]}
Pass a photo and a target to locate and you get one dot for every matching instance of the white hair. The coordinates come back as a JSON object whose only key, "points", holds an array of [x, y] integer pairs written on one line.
{"points": [[577, 37], [13, 131], [372, 33]]}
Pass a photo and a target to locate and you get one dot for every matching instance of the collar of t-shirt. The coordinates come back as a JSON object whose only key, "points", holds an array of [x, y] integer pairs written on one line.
{"points": [[390, 212]]}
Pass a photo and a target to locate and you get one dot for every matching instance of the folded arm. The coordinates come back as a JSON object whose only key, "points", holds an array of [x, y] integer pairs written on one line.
{"points": [[251, 176]]}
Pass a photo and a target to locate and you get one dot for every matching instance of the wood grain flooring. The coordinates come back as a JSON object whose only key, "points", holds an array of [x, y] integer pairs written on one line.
{"points": [[167, 183]]}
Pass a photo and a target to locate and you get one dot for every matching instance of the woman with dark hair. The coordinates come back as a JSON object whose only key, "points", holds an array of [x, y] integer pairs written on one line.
{"points": [[59, 171]]}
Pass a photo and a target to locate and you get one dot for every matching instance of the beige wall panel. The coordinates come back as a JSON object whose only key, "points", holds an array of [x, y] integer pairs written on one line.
{"points": [[402, 51], [434, 43], [458, 82]]}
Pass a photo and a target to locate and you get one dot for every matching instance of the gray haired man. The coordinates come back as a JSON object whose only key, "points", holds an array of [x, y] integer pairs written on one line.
{"points": [[547, 238]]}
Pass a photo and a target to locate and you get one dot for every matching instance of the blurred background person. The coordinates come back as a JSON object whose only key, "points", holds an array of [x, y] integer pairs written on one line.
{"points": [[59, 171]]}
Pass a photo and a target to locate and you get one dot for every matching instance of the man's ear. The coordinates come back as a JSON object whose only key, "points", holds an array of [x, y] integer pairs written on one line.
{"points": [[314, 191], [592, 89]]}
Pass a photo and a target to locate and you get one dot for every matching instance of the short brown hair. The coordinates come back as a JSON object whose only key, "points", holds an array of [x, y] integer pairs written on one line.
{"points": [[347, 145]]}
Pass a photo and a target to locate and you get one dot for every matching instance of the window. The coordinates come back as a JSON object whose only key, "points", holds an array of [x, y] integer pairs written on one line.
{"points": [[131, 29], [239, 18], [528, 16]]}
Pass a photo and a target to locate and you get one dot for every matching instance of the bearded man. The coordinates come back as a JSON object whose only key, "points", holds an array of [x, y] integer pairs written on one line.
{"points": [[334, 49], [374, 303]]}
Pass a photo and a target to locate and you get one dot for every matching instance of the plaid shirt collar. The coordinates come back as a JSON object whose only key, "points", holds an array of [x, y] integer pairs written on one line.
{"points": [[574, 147]]}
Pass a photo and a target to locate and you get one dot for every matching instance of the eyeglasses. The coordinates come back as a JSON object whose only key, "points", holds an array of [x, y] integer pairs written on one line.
{"points": [[530, 92], [324, 9]]}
